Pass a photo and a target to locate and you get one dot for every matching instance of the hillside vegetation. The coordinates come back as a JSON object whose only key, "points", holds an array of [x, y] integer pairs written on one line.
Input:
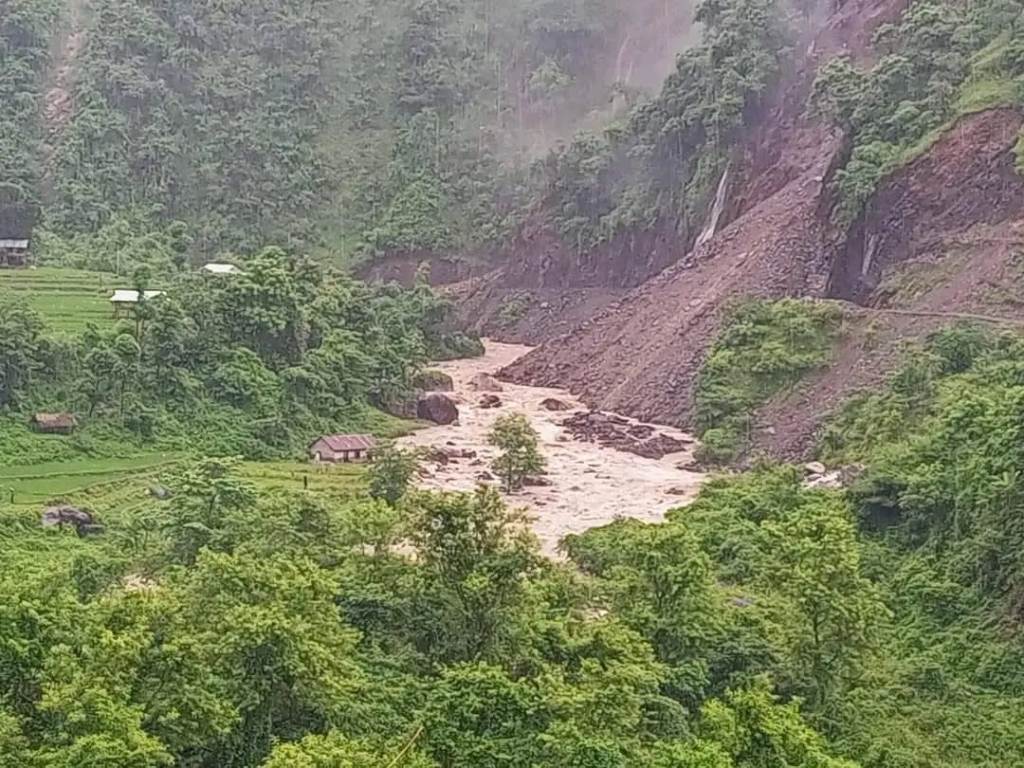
{"points": [[355, 126], [255, 364], [941, 61]]}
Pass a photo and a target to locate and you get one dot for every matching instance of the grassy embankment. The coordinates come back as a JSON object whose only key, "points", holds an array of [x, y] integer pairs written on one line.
{"points": [[67, 299]]}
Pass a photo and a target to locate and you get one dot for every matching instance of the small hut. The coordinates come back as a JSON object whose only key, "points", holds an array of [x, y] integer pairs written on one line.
{"points": [[54, 423], [16, 222], [13, 252], [221, 269], [125, 301], [342, 449]]}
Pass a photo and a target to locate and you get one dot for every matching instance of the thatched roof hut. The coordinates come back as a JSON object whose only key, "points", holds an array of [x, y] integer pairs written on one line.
{"points": [[55, 423]]}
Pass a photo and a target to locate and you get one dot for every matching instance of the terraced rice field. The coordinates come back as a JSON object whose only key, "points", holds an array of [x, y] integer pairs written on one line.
{"points": [[80, 481], [67, 299]]}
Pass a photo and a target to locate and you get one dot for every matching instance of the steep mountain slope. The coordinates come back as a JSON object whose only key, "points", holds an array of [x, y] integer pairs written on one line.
{"points": [[641, 354], [953, 214], [944, 238]]}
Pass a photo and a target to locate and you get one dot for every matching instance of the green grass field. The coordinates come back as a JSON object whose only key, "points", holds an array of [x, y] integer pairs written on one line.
{"points": [[343, 479], [68, 299], [77, 480], [97, 480]]}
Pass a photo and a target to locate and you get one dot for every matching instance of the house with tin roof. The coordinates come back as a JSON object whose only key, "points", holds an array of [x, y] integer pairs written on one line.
{"points": [[342, 449]]}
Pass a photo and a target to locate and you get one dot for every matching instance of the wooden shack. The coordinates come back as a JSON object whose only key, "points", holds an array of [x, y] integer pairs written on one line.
{"points": [[15, 234], [125, 301], [342, 449], [54, 423], [13, 253]]}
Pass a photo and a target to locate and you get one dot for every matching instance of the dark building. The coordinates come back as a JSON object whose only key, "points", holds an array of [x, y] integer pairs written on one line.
{"points": [[16, 222]]}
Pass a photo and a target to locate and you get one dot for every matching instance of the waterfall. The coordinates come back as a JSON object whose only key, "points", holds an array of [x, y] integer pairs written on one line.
{"points": [[716, 210], [869, 255]]}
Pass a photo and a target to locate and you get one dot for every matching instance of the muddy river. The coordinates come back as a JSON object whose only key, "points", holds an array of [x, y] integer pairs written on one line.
{"points": [[590, 485]]}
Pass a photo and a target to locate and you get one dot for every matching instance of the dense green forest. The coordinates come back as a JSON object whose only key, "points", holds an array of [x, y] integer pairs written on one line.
{"points": [[764, 625], [255, 365], [344, 125], [351, 128]]}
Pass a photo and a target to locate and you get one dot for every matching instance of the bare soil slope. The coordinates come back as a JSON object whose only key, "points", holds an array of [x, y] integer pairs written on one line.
{"points": [[943, 238], [641, 355], [941, 235]]}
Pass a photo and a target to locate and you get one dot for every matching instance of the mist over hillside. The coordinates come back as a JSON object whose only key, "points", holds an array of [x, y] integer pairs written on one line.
{"points": [[340, 126]]}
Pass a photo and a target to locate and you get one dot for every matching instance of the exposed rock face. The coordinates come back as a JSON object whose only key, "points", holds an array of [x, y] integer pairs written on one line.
{"points": [[617, 432], [80, 519], [554, 404], [438, 408], [433, 381], [490, 401], [65, 514], [484, 382]]}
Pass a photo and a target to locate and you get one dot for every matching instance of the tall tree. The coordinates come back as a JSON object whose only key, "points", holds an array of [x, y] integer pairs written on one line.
{"points": [[520, 458]]}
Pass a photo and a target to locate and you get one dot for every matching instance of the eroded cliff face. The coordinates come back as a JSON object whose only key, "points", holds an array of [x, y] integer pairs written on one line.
{"points": [[627, 326], [641, 353], [967, 178], [941, 240]]}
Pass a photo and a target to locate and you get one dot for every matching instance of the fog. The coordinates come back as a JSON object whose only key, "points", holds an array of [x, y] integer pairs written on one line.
{"points": [[611, 69]]}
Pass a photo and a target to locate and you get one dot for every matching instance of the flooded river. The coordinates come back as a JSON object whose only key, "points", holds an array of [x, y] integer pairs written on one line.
{"points": [[590, 485]]}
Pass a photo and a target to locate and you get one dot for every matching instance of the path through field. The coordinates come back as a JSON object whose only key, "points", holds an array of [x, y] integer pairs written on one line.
{"points": [[590, 485]]}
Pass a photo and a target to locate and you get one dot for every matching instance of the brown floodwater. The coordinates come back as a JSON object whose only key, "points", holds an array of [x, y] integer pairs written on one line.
{"points": [[590, 485]]}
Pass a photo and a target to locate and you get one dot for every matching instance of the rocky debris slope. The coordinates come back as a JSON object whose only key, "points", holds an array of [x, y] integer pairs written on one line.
{"points": [[942, 241], [620, 433], [960, 200], [641, 355]]}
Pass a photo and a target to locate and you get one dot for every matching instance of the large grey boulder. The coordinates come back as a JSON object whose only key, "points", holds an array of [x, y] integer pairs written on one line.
{"points": [[484, 382], [438, 408], [433, 381]]}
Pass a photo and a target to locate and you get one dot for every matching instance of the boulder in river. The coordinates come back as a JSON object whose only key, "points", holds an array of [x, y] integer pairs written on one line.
{"points": [[438, 408], [484, 382], [614, 431], [490, 401], [554, 404], [433, 381]]}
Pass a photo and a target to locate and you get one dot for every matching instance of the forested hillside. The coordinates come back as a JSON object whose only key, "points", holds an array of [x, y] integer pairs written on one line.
{"points": [[347, 126]]}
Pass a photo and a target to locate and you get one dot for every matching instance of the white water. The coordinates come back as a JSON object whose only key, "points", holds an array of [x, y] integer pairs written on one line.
{"points": [[716, 210], [590, 485]]}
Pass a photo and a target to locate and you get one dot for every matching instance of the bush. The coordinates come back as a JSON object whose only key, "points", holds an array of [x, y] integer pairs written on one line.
{"points": [[764, 347]]}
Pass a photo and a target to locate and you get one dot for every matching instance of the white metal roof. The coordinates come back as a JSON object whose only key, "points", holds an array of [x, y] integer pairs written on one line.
{"points": [[19, 244], [132, 297], [221, 269]]}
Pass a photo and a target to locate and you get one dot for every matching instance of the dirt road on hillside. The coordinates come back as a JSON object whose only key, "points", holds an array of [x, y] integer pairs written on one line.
{"points": [[590, 485]]}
